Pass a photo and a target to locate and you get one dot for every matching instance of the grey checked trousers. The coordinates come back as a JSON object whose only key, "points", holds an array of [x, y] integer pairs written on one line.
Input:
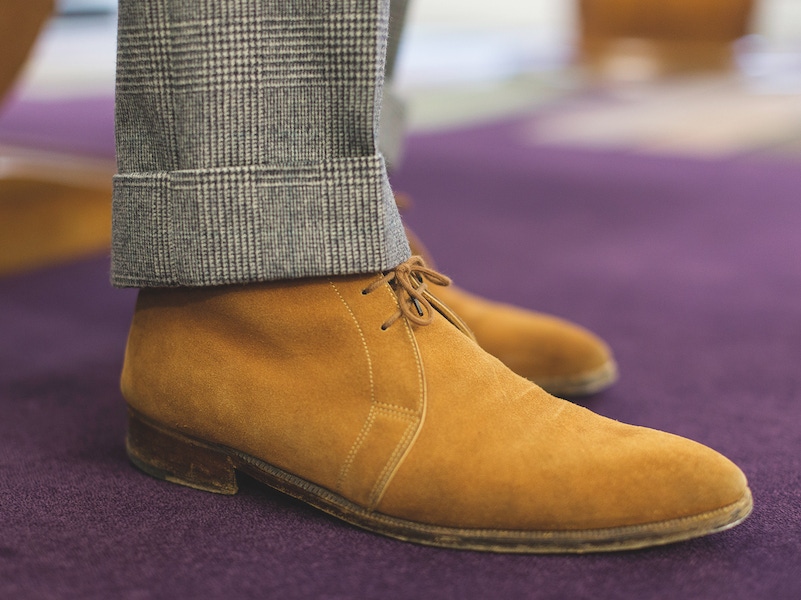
{"points": [[247, 142]]}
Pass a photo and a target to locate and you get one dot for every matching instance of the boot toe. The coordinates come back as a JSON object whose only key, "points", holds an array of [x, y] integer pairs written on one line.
{"points": [[563, 358], [568, 481]]}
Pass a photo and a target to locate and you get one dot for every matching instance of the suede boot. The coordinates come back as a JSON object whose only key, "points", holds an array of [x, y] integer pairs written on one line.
{"points": [[561, 357], [365, 397]]}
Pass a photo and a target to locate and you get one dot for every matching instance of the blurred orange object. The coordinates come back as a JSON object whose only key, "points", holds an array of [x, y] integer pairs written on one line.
{"points": [[20, 22], [645, 39], [53, 207]]}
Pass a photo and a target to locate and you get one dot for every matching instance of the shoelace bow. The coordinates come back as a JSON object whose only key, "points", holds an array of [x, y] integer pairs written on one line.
{"points": [[410, 286]]}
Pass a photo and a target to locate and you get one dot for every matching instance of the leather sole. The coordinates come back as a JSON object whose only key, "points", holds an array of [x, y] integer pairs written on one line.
{"points": [[584, 384], [173, 456]]}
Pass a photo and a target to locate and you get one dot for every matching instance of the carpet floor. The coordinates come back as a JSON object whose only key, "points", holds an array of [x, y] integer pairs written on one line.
{"points": [[690, 269]]}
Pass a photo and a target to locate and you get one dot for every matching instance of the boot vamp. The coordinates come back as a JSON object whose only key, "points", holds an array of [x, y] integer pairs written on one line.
{"points": [[497, 452]]}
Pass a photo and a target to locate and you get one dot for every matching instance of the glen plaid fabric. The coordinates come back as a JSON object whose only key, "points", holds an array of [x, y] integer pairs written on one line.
{"points": [[246, 142]]}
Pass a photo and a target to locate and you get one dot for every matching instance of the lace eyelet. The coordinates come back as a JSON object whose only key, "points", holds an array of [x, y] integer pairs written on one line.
{"points": [[407, 282]]}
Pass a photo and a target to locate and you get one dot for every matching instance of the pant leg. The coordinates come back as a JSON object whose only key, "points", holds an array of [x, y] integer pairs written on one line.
{"points": [[246, 142]]}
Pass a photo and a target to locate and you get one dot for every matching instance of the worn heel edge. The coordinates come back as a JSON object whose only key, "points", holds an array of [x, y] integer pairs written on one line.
{"points": [[174, 457]]}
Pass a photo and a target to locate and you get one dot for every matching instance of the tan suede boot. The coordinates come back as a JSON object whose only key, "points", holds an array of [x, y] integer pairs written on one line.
{"points": [[362, 396], [559, 356]]}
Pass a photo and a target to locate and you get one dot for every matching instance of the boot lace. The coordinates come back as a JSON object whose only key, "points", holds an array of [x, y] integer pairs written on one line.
{"points": [[409, 281]]}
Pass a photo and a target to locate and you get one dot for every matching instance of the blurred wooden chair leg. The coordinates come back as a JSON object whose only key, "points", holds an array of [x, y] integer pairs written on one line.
{"points": [[20, 22]]}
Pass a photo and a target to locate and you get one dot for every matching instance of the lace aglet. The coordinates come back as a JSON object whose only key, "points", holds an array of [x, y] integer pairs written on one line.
{"points": [[418, 307]]}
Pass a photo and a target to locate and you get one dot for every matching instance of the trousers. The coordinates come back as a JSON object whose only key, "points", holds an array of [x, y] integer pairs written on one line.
{"points": [[247, 142]]}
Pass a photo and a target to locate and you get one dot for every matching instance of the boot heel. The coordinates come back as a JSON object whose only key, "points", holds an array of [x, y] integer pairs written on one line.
{"points": [[174, 457]]}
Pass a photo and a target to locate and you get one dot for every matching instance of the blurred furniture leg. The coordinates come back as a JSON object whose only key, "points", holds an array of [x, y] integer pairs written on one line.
{"points": [[20, 22], [645, 39], [53, 207]]}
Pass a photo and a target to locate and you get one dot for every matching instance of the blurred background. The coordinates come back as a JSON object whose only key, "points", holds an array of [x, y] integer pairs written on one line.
{"points": [[631, 165], [700, 78]]}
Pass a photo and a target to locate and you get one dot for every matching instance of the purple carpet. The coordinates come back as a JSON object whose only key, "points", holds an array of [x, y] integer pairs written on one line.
{"points": [[690, 269], [78, 125]]}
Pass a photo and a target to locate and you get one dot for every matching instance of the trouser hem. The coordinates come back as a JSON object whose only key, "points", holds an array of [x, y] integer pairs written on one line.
{"points": [[255, 223]]}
